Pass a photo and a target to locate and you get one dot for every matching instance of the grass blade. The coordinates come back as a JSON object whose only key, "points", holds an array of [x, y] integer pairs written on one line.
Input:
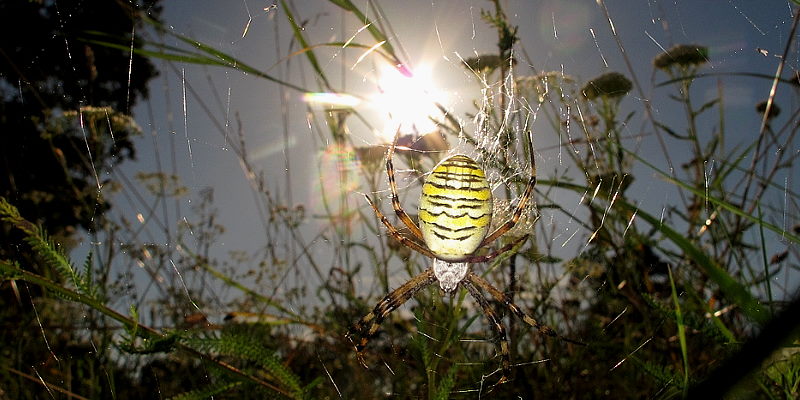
{"points": [[720, 203], [732, 289], [681, 332]]}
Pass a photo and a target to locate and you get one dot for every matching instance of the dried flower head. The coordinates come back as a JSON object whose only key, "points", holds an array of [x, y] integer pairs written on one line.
{"points": [[682, 55], [544, 82], [774, 111], [95, 118], [608, 85]]}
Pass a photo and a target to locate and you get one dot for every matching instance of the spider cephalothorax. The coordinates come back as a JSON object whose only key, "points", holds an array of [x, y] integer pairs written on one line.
{"points": [[455, 214]]}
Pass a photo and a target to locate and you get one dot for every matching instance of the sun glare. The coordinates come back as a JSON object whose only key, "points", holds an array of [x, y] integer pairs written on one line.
{"points": [[407, 101], [332, 100]]}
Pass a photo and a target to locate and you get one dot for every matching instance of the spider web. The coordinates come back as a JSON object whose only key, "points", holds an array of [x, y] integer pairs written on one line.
{"points": [[238, 176]]}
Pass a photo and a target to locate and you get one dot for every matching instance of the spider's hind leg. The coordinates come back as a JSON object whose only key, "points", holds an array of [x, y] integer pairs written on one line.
{"points": [[506, 301], [369, 324], [497, 325]]}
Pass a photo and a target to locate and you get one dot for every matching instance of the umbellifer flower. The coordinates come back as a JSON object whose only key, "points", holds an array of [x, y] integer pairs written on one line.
{"points": [[609, 85], [544, 81], [682, 55]]}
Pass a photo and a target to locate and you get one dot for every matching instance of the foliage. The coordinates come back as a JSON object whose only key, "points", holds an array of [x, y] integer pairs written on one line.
{"points": [[663, 297], [65, 122]]}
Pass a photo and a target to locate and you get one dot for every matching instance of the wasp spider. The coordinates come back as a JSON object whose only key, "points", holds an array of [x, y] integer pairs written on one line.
{"points": [[455, 213]]}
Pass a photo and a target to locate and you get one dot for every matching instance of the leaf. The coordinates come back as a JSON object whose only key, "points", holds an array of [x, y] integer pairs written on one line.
{"points": [[246, 346], [50, 253], [373, 30], [207, 392], [206, 55], [446, 384], [748, 74], [670, 131], [681, 332], [705, 107], [312, 58], [383, 54], [721, 203], [733, 290]]}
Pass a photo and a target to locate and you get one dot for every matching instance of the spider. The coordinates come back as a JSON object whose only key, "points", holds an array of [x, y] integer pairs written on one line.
{"points": [[455, 213]]}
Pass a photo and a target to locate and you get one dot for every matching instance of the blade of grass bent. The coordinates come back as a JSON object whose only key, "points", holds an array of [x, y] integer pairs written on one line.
{"points": [[681, 332], [373, 30], [312, 58], [732, 289], [720, 203], [207, 55]]}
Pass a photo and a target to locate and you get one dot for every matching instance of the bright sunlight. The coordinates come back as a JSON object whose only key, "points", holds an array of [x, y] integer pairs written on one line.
{"points": [[407, 101]]}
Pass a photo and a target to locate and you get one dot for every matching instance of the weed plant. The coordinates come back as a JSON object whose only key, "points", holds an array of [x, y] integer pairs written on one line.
{"points": [[661, 296]]}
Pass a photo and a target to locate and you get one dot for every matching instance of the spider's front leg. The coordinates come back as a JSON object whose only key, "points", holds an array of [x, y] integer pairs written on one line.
{"points": [[369, 324]]}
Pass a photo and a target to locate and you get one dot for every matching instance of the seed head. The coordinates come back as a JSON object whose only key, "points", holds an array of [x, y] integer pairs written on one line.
{"points": [[608, 85], [682, 55]]}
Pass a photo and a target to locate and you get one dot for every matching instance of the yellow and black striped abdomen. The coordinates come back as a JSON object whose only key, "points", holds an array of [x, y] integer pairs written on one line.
{"points": [[455, 209]]}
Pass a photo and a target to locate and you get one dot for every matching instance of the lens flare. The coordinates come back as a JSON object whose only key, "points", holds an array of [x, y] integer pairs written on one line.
{"points": [[408, 99], [337, 100]]}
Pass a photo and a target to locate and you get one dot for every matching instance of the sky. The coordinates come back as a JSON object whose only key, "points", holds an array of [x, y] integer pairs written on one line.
{"points": [[194, 112]]}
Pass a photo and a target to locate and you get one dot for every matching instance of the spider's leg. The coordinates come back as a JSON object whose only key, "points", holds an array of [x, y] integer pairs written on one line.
{"points": [[398, 209], [495, 253], [497, 325], [523, 201], [397, 235], [505, 300], [368, 325]]}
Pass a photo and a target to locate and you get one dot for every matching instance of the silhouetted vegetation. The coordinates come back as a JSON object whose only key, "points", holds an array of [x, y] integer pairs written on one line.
{"points": [[665, 296]]}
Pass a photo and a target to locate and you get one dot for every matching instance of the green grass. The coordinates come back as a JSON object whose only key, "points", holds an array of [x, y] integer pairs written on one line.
{"points": [[661, 294]]}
